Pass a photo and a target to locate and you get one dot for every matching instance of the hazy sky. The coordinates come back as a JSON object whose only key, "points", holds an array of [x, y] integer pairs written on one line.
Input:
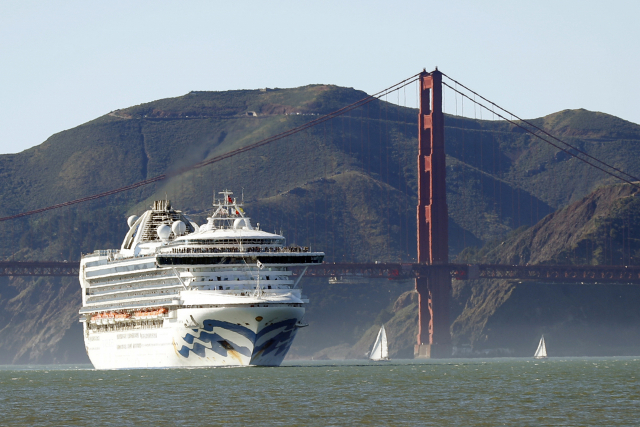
{"points": [[65, 63]]}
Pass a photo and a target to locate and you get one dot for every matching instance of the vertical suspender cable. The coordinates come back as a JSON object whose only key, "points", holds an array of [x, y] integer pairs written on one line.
{"points": [[380, 173], [481, 204], [519, 215], [334, 194], [315, 207], [368, 141], [464, 184], [325, 190], [362, 136], [405, 179], [398, 187], [348, 231], [388, 182]]}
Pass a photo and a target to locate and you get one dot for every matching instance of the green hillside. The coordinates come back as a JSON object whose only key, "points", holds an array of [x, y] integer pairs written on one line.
{"points": [[506, 318], [601, 228], [346, 187]]}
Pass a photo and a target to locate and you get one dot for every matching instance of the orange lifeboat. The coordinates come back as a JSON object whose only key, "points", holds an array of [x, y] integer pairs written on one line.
{"points": [[150, 314], [121, 317], [100, 319]]}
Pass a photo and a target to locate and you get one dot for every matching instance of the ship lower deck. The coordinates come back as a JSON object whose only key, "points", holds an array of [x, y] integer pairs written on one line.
{"points": [[200, 337]]}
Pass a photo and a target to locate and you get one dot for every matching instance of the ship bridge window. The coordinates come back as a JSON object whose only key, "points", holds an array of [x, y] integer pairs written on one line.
{"points": [[234, 241]]}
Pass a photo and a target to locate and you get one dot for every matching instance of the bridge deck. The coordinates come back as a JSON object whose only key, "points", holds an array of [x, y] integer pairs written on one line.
{"points": [[397, 271]]}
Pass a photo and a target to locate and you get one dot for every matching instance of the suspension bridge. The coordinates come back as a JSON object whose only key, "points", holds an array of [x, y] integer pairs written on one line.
{"points": [[432, 270]]}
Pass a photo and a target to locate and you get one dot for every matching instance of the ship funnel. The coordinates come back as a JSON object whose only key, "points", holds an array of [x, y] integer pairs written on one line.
{"points": [[241, 223], [162, 205]]}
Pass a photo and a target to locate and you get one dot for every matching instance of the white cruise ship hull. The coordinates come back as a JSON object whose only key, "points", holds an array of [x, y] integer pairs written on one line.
{"points": [[179, 295], [238, 335]]}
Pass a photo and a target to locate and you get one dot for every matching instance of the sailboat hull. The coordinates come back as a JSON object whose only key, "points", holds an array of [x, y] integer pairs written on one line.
{"points": [[380, 350], [541, 352]]}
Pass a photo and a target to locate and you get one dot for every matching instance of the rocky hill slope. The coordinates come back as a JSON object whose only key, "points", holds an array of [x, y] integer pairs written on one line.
{"points": [[346, 187], [507, 318]]}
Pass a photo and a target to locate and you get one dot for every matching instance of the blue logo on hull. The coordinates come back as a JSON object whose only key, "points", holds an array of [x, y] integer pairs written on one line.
{"points": [[219, 345], [277, 346], [274, 347]]}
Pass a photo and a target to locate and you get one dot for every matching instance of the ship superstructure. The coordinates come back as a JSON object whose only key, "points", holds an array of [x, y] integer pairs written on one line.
{"points": [[177, 294]]}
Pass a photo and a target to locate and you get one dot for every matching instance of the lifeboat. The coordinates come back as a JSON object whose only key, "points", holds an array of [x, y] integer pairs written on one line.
{"points": [[109, 318], [121, 317], [98, 318], [150, 314], [144, 314]]}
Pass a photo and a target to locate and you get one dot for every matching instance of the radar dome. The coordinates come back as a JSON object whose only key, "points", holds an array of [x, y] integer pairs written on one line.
{"points": [[132, 220], [241, 223], [178, 228], [164, 231]]}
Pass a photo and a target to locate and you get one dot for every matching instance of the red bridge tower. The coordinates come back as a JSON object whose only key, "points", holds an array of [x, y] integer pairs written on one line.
{"points": [[434, 290]]}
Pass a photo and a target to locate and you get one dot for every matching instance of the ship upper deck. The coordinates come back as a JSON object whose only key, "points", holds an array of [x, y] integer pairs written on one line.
{"points": [[225, 255], [163, 230]]}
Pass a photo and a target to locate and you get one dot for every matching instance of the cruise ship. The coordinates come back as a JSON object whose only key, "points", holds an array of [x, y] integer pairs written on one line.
{"points": [[181, 295]]}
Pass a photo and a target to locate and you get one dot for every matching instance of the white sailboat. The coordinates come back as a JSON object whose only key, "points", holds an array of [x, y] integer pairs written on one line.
{"points": [[541, 352], [380, 350]]}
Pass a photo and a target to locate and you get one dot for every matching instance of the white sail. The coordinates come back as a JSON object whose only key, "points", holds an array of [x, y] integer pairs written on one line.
{"points": [[380, 350], [541, 352]]}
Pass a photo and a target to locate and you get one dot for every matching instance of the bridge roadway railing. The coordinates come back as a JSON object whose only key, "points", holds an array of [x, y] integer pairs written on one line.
{"points": [[347, 272], [39, 268], [543, 273]]}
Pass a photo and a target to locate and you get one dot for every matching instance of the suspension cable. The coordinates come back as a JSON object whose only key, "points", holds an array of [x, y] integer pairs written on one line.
{"points": [[549, 142], [541, 130], [216, 159]]}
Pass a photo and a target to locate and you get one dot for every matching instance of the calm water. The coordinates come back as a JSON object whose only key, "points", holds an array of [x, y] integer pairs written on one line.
{"points": [[579, 391]]}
